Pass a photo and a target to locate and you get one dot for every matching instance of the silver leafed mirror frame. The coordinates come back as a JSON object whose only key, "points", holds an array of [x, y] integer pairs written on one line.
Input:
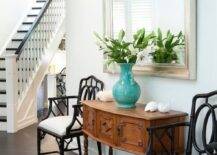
{"points": [[184, 70]]}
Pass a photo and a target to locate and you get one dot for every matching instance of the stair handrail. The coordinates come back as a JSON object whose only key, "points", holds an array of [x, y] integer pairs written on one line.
{"points": [[32, 28]]}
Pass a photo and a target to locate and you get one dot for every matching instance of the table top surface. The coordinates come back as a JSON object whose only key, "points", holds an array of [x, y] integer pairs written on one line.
{"points": [[137, 112]]}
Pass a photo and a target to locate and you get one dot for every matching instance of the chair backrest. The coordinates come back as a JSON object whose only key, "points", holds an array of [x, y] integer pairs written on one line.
{"points": [[202, 107], [89, 87]]}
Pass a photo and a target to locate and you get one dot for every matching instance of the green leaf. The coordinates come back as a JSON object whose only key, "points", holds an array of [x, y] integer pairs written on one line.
{"points": [[121, 35], [141, 34], [169, 41], [98, 37], [168, 33], [159, 34]]}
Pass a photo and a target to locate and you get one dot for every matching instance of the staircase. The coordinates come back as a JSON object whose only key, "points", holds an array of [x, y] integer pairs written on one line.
{"points": [[24, 63]]}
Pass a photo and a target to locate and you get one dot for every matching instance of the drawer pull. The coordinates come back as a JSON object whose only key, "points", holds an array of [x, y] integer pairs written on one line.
{"points": [[140, 143], [92, 122], [120, 130]]}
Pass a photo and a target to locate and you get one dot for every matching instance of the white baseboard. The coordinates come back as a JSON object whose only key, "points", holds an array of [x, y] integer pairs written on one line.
{"points": [[27, 122]]}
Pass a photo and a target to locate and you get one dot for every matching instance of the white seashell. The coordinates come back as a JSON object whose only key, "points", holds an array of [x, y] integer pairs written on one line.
{"points": [[164, 107], [151, 106], [105, 96]]}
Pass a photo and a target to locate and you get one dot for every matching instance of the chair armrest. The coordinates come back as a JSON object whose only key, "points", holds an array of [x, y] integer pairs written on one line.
{"points": [[77, 111], [54, 101], [63, 97]]}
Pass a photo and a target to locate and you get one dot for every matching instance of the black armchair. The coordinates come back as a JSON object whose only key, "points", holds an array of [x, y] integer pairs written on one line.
{"points": [[197, 110], [62, 126]]}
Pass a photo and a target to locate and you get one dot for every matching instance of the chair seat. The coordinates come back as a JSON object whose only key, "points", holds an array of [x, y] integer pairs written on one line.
{"points": [[59, 124]]}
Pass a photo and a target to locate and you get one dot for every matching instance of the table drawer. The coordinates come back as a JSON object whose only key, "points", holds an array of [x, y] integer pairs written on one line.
{"points": [[106, 127], [89, 121], [131, 134]]}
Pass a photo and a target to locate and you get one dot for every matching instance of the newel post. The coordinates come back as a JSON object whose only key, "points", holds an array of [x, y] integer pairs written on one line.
{"points": [[11, 92]]}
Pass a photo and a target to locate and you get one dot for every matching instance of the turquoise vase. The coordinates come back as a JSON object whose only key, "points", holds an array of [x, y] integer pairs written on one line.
{"points": [[126, 91]]}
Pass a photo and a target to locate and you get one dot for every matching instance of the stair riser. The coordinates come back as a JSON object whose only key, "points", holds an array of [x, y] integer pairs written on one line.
{"points": [[3, 98], [3, 112], [2, 85], [19, 35], [30, 19], [2, 75], [2, 64], [3, 126]]}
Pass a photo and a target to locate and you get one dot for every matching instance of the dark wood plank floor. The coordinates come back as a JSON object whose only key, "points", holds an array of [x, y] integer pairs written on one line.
{"points": [[24, 142]]}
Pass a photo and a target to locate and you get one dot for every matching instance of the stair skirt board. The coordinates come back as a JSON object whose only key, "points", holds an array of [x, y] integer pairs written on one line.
{"points": [[27, 122]]}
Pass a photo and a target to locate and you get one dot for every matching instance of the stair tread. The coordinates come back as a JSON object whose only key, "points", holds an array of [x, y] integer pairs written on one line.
{"points": [[22, 31], [17, 39], [27, 23], [2, 80], [32, 15], [11, 49], [2, 91], [40, 1], [3, 104], [3, 118], [36, 8]]}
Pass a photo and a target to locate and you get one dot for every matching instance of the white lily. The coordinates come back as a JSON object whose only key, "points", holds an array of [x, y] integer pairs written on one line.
{"points": [[133, 50], [127, 59]]}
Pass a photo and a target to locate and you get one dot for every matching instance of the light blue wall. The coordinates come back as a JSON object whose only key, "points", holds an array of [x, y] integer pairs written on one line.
{"points": [[83, 58]]}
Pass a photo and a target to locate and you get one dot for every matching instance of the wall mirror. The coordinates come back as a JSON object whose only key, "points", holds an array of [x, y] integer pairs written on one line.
{"points": [[173, 15]]}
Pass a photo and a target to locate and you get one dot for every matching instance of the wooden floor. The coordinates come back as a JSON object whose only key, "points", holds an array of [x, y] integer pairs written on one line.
{"points": [[24, 142]]}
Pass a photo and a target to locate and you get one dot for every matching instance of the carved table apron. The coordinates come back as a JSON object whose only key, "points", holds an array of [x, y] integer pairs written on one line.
{"points": [[125, 129]]}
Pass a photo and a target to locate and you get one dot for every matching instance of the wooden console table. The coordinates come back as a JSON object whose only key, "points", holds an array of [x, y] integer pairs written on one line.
{"points": [[126, 129]]}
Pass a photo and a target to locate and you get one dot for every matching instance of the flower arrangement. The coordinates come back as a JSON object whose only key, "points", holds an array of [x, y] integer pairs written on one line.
{"points": [[162, 49], [165, 48], [119, 50]]}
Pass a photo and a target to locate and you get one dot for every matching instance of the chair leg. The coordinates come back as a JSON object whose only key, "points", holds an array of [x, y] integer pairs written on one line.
{"points": [[99, 148], [79, 145], [110, 150], [85, 144], [39, 141], [61, 147]]}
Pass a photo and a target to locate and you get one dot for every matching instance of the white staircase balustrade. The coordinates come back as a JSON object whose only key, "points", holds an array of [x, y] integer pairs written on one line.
{"points": [[27, 66]]}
